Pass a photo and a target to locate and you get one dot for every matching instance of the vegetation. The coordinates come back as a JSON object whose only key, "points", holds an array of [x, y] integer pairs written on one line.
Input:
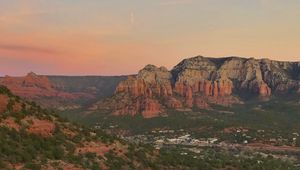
{"points": [[35, 151], [216, 159], [263, 120], [19, 146], [256, 121]]}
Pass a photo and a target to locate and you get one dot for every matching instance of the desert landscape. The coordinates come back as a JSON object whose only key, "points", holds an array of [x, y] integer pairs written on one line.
{"points": [[149, 85]]}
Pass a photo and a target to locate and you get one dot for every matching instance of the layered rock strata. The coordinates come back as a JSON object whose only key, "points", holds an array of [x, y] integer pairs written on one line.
{"points": [[201, 81]]}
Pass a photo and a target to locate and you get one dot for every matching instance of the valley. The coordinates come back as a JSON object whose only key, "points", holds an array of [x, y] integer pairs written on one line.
{"points": [[257, 127], [206, 113], [149, 85]]}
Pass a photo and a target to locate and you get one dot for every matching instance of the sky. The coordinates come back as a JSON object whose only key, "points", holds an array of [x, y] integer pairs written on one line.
{"points": [[118, 37]]}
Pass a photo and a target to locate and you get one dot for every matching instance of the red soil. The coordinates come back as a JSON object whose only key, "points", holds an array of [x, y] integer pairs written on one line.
{"points": [[10, 123], [44, 128], [99, 148], [3, 103]]}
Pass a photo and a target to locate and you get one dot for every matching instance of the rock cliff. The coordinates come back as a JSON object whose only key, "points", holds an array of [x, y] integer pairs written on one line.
{"points": [[202, 81]]}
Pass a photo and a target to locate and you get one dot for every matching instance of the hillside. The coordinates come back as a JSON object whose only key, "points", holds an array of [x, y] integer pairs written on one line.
{"points": [[33, 138]]}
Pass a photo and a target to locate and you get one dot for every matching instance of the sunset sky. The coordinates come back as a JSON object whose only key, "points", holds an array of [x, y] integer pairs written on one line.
{"points": [[113, 37]]}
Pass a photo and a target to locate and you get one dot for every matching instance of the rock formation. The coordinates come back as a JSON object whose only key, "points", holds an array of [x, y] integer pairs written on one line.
{"points": [[143, 89], [201, 81], [31, 86], [151, 108], [40, 89], [264, 90]]}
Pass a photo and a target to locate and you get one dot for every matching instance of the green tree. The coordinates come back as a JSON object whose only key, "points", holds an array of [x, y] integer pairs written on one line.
{"points": [[298, 142], [32, 166], [10, 105]]}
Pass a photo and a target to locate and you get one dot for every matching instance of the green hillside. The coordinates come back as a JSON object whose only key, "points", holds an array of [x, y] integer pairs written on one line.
{"points": [[34, 138]]}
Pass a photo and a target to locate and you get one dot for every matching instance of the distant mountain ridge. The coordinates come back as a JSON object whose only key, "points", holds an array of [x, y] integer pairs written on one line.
{"points": [[202, 81], [62, 91]]}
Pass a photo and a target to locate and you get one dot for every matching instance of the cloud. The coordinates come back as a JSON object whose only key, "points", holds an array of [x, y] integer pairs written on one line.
{"points": [[174, 2], [23, 48], [132, 18], [21, 13]]}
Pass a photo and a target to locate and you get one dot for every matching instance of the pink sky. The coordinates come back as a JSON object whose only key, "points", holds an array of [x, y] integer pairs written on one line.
{"points": [[117, 37]]}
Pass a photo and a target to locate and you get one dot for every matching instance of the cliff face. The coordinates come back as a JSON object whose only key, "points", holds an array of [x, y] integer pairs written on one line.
{"points": [[150, 81], [146, 89], [200, 81]]}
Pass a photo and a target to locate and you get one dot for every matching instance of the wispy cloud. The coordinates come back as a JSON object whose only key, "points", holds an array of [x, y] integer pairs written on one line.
{"points": [[23, 48], [174, 2], [132, 18]]}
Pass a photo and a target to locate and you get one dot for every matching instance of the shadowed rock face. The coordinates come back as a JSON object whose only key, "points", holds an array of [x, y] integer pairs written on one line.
{"points": [[200, 81]]}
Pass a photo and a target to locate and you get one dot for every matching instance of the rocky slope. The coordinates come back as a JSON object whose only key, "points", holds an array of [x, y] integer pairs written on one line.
{"points": [[34, 138], [200, 82], [63, 92]]}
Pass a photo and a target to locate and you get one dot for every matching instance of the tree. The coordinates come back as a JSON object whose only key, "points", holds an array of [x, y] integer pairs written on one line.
{"points": [[298, 142], [10, 105], [58, 153], [32, 166]]}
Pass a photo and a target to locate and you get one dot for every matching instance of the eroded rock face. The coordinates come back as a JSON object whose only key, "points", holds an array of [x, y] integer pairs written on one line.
{"points": [[151, 83], [264, 90], [151, 108], [208, 88], [199, 81], [148, 107], [135, 87]]}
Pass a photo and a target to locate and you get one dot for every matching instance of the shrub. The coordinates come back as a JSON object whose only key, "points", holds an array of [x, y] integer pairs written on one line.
{"points": [[32, 166]]}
